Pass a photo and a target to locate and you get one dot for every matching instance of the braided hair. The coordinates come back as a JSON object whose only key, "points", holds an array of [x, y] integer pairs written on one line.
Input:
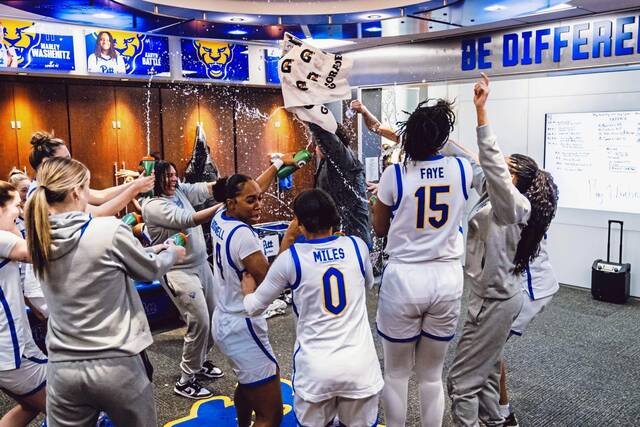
{"points": [[427, 129], [538, 187]]}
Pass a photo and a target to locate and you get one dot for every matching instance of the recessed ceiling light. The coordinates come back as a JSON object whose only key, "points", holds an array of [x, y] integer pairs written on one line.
{"points": [[556, 8], [237, 19], [237, 32], [495, 8], [328, 43], [103, 15], [374, 16], [373, 29]]}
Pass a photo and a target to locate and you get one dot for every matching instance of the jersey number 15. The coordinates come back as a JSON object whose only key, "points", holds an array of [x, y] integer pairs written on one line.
{"points": [[440, 209]]}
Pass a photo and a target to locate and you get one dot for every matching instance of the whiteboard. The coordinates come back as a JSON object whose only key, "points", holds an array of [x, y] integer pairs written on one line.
{"points": [[595, 159]]}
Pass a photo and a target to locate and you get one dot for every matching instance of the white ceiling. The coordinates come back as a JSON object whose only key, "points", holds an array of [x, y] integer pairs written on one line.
{"points": [[284, 7]]}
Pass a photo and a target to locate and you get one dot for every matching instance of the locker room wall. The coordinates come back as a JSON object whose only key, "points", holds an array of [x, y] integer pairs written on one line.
{"points": [[517, 109]]}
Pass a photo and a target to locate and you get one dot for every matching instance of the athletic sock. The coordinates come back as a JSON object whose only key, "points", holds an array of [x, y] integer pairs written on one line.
{"points": [[185, 378], [505, 410]]}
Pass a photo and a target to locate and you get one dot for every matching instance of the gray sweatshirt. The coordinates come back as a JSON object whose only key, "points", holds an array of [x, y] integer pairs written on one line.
{"points": [[95, 309], [166, 216], [495, 221]]}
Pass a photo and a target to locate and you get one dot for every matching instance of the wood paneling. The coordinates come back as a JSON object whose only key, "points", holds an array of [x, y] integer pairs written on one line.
{"points": [[93, 138], [136, 119], [263, 127], [179, 120], [38, 107], [216, 115], [9, 152]]}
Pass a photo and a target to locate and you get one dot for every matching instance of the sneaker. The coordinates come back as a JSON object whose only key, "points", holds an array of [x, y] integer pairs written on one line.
{"points": [[192, 389], [511, 420], [210, 370]]}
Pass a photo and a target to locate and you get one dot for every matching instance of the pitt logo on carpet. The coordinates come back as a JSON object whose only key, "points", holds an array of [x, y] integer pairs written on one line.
{"points": [[36, 49], [214, 60]]}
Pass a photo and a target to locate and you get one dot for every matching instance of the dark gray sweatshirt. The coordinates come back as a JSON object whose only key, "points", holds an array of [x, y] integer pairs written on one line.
{"points": [[495, 221], [96, 311]]}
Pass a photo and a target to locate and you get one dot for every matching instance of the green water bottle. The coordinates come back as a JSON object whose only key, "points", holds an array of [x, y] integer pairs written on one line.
{"points": [[132, 219], [178, 239], [148, 163], [301, 158]]}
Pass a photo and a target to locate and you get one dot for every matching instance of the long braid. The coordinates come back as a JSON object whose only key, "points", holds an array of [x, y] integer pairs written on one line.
{"points": [[538, 187]]}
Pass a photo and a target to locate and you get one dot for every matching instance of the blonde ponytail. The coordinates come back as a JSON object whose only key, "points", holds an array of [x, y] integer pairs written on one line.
{"points": [[56, 177]]}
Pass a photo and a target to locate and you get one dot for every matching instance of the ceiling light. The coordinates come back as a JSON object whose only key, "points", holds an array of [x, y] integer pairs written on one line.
{"points": [[495, 8], [374, 16], [328, 43], [373, 29], [237, 32], [102, 15], [237, 19], [556, 8]]}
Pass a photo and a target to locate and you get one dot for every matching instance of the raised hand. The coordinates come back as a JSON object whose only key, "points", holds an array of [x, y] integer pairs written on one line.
{"points": [[481, 91]]}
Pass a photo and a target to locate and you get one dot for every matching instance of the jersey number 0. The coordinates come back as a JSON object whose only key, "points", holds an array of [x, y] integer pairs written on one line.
{"points": [[335, 294]]}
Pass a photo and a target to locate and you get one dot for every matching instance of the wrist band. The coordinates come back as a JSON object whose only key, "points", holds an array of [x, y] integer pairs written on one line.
{"points": [[277, 162]]}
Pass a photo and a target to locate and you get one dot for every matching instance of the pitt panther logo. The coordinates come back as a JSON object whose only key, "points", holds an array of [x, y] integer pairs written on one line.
{"points": [[22, 42], [129, 45], [216, 57], [285, 67]]}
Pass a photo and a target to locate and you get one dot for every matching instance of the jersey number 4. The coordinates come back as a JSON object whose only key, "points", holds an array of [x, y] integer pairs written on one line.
{"points": [[441, 210], [219, 260], [335, 294]]}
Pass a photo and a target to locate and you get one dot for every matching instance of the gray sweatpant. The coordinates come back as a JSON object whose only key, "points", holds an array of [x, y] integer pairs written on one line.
{"points": [[474, 378], [78, 390], [192, 293]]}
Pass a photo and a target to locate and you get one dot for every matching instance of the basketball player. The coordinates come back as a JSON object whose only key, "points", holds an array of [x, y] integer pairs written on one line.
{"points": [[539, 285], [336, 369], [243, 339], [105, 59], [419, 209]]}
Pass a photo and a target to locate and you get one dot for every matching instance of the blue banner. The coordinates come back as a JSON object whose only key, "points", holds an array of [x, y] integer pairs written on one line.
{"points": [[23, 47], [271, 58], [125, 52], [214, 60]]}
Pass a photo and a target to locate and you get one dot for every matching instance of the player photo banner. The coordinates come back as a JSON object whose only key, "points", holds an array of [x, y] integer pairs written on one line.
{"points": [[310, 76], [125, 52], [23, 46], [207, 59], [271, 58]]}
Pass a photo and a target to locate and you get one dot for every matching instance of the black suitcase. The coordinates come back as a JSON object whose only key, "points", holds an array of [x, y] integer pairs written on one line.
{"points": [[610, 281]]}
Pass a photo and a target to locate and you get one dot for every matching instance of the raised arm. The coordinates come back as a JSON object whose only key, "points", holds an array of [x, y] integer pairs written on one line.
{"points": [[509, 205], [121, 200], [372, 123], [266, 178]]}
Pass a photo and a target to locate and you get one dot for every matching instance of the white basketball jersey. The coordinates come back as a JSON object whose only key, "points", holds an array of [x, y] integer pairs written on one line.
{"points": [[538, 279], [427, 199], [233, 240], [334, 353]]}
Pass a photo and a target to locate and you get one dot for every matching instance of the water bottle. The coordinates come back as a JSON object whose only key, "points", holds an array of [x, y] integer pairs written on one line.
{"points": [[301, 158], [148, 163], [132, 219], [178, 239]]}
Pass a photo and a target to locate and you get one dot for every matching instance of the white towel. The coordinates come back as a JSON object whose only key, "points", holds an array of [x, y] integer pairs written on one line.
{"points": [[311, 77]]}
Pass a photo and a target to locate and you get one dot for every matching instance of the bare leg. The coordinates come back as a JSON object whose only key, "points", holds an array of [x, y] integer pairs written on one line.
{"points": [[504, 397], [266, 401], [243, 409], [28, 408]]}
